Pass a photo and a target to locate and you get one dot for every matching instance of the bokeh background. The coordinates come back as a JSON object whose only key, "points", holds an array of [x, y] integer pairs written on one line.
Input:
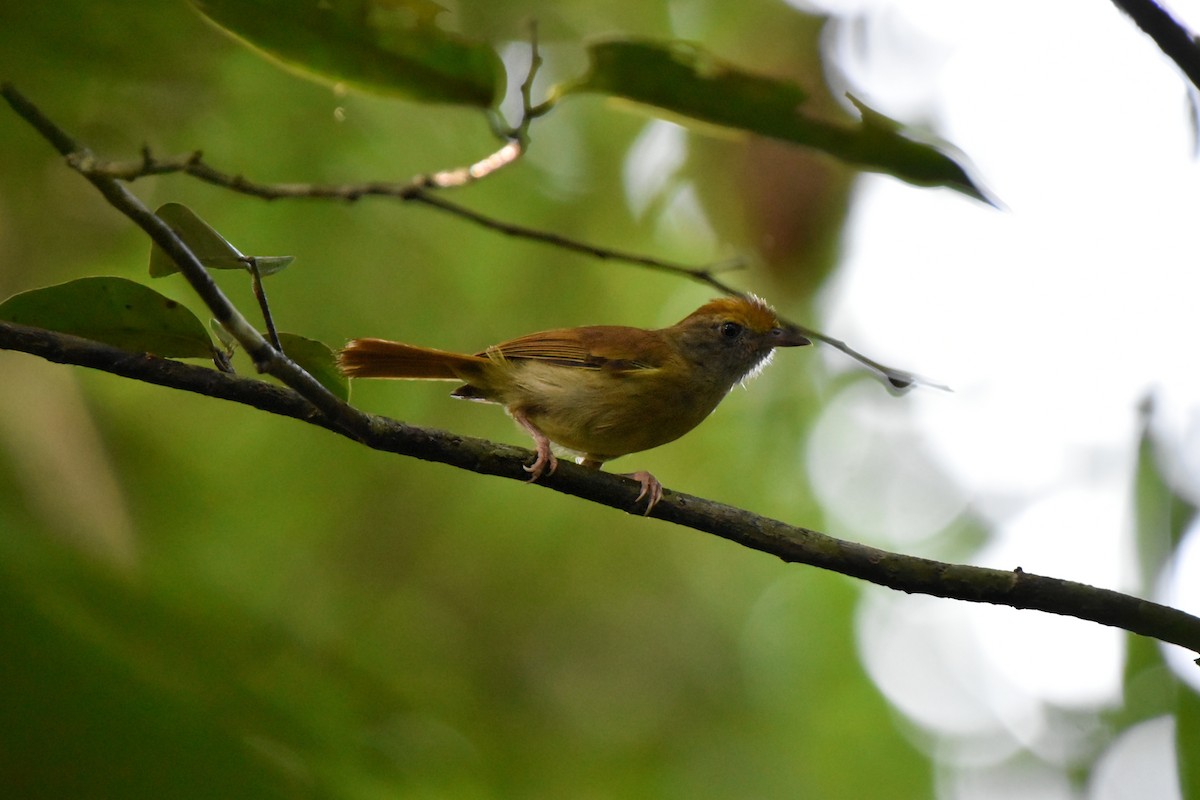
{"points": [[200, 600]]}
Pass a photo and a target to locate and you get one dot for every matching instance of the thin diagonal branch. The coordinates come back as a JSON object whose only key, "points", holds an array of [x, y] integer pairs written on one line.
{"points": [[790, 543], [706, 275], [417, 190], [1171, 37], [898, 379]]}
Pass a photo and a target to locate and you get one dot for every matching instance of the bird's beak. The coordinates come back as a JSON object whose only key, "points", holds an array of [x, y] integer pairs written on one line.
{"points": [[788, 336]]}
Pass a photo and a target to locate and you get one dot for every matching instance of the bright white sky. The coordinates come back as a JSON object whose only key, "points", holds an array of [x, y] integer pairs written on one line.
{"points": [[1052, 321]]}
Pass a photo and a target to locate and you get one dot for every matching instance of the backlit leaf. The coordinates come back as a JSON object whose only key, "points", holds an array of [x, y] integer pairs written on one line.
{"points": [[318, 360], [206, 244], [211, 248], [684, 79], [269, 265]]}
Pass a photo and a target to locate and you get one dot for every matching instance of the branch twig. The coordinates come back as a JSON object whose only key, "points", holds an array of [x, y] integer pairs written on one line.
{"points": [[529, 111], [1172, 38], [790, 543], [417, 190], [260, 295]]}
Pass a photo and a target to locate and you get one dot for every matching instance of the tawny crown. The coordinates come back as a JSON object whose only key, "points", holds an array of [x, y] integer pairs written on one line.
{"points": [[751, 312]]}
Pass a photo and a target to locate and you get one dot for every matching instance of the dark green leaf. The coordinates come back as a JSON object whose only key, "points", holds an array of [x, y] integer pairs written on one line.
{"points": [[389, 46], [115, 311], [685, 79], [211, 248], [318, 360]]}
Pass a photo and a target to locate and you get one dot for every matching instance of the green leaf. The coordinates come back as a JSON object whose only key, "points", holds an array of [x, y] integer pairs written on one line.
{"points": [[223, 336], [1161, 515], [115, 311], [318, 360], [211, 248], [269, 265], [685, 79], [1187, 742], [388, 46]]}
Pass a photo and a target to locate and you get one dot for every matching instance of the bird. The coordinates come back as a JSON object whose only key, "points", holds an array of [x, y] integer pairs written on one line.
{"points": [[600, 391]]}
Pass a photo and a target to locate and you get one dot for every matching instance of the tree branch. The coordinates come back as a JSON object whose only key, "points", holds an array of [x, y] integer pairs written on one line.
{"points": [[308, 401], [1172, 38], [789, 543]]}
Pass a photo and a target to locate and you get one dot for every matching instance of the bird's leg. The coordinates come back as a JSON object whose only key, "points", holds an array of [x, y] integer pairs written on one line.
{"points": [[652, 490], [545, 457]]}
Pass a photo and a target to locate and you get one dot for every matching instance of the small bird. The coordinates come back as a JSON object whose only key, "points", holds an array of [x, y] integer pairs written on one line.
{"points": [[600, 391]]}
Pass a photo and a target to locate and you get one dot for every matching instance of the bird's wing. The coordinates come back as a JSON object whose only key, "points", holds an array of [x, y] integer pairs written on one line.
{"points": [[607, 347]]}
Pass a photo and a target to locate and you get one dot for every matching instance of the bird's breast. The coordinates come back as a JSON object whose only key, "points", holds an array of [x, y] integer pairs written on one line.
{"points": [[608, 413]]}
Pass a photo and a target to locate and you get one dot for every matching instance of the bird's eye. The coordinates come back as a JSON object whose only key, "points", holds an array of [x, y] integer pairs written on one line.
{"points": [[730, 330]]}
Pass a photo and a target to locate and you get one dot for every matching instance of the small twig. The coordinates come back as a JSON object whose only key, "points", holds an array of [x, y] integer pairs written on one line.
{"points": [[899, 380], [260, 294], [702, 274], [461, 176], [529, 111]]}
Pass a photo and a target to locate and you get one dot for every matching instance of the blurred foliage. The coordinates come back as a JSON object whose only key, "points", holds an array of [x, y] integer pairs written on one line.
{"points": [[681, 78], [201, 600], [393, 46], [396, 46], [1161, 517]]}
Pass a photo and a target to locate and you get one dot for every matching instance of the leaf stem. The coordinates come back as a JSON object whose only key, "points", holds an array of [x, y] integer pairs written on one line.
{"points": [[260, 294]]}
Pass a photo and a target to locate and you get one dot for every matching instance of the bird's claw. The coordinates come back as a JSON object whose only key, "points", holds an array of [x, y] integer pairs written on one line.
{"points": [[652, 490], [545, 463], [545, 456]]}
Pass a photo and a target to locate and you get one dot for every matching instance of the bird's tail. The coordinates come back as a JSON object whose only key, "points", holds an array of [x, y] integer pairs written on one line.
{"points": [[379, 358]]}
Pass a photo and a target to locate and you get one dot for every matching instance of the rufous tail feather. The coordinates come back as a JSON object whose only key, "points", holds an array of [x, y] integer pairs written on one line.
{"points": [[379, 358]]}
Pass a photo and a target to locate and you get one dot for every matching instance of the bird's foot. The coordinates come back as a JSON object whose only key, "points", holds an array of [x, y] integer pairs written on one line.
{"points": [[546, 462], [652, 490]]}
